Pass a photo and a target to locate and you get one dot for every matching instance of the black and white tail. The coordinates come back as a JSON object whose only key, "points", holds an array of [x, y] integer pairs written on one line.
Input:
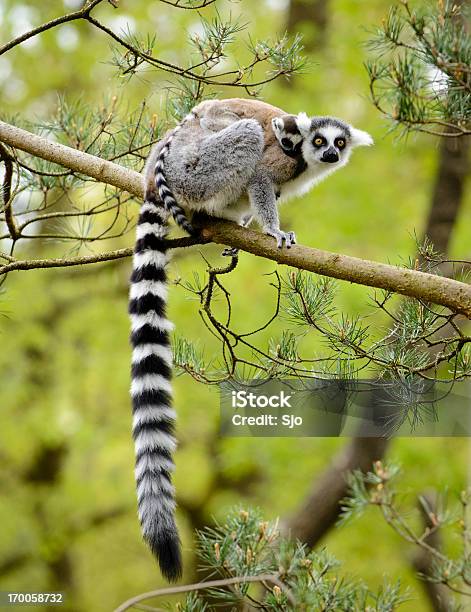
{"points": [[153, 416], [164, 190]]}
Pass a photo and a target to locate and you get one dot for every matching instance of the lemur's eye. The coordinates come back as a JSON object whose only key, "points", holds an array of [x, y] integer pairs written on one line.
{"points": [[318, 141], [340, 143], [286, 143]]}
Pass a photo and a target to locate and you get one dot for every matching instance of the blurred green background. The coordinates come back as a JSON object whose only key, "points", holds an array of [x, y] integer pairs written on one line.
{"points": [[67, 512]]}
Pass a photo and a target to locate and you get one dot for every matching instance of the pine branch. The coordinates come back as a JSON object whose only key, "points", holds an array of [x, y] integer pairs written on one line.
{"points": [[443, 291]]}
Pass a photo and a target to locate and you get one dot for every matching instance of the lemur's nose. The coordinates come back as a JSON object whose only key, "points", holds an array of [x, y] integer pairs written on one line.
{"points": [[330, 156]]}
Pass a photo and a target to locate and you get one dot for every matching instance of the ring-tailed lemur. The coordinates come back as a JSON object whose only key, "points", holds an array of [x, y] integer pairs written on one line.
{"points": [[230, 159]]}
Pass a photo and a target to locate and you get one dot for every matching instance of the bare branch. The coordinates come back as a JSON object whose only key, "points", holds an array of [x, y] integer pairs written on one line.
{"points": [[35, 264], [80, 14], [187, 588], [7, 198], [443, 291], [189, 7]]}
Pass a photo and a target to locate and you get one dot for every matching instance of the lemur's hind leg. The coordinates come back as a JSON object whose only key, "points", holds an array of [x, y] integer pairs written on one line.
{"points": [[232, 251], [210, 170]]}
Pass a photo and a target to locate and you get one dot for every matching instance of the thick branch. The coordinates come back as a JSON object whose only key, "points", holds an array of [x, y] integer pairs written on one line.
{"points": [[83, 163], [447, 197], [423, 561], [6, 158], [443, 291]]}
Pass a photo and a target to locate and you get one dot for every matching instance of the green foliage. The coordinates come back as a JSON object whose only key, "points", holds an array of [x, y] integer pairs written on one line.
{"points": [[422, 79], [248, 548], [378, 488], [308, 300]]}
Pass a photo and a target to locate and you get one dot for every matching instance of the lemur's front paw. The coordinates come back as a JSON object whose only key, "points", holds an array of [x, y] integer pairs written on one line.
{"points": [[288, 238], [230, 252]]}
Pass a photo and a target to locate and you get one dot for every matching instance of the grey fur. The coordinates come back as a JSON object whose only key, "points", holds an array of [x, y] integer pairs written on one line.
{"points": [[213, 170]]}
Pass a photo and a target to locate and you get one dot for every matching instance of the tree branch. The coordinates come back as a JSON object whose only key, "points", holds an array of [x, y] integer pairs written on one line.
{"points": [[423, 561], [428, 287], [34, 264], [6, 158], [188, 588], [83, 163], [80, 14]]}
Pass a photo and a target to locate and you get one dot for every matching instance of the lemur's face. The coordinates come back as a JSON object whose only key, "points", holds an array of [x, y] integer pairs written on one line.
{"points": [[329, 143], [320, 140]]}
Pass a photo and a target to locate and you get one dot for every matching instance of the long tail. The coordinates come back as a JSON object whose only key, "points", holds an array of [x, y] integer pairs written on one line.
{"points": [[165, 192], [153, 416]]}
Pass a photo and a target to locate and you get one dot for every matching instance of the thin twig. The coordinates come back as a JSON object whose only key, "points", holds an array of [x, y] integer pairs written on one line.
{"points": [[80, 14], [273, 579]]}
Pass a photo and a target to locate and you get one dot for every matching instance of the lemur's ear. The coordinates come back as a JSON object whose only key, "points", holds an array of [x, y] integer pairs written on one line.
{"points": [[360, 138], [304, 124], [278, 126]]}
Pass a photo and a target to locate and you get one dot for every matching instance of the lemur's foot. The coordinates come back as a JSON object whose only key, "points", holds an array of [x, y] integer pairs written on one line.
{"points": [[289, 238], [230, 252]]}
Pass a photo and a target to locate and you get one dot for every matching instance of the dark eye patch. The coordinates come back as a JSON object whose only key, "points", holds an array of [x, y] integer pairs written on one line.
{"points": [[319, 141], [340, 142], [286, 143]]}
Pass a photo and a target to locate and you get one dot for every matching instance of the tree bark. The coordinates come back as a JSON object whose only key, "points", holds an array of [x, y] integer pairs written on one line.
{"points": [[447, 196], [423, 561]]}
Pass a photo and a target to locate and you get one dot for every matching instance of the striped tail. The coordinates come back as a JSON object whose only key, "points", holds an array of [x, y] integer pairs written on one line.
{"points": [[153, 416], [165, 193]]}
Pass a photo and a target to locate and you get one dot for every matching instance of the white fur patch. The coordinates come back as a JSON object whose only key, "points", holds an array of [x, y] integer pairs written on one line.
{"points": [[304, 124], [155, 507], [150, 440], [361, 138], [330, 133], [151, 207], [143, 229], [148, 257], [152, 319], [145, 350], [150, 382], [138, 290], [153, 414], [278, 127]]}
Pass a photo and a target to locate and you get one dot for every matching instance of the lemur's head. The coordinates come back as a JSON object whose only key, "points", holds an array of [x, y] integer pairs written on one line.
{"points": [[319, 140], [288, 134]]}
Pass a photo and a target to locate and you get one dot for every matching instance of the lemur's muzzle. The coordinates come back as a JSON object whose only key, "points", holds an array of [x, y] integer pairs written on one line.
{"points": [[330, 156]]}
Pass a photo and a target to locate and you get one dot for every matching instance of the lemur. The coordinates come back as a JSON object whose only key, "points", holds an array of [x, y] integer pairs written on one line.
{"points": [[231, 159]]}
